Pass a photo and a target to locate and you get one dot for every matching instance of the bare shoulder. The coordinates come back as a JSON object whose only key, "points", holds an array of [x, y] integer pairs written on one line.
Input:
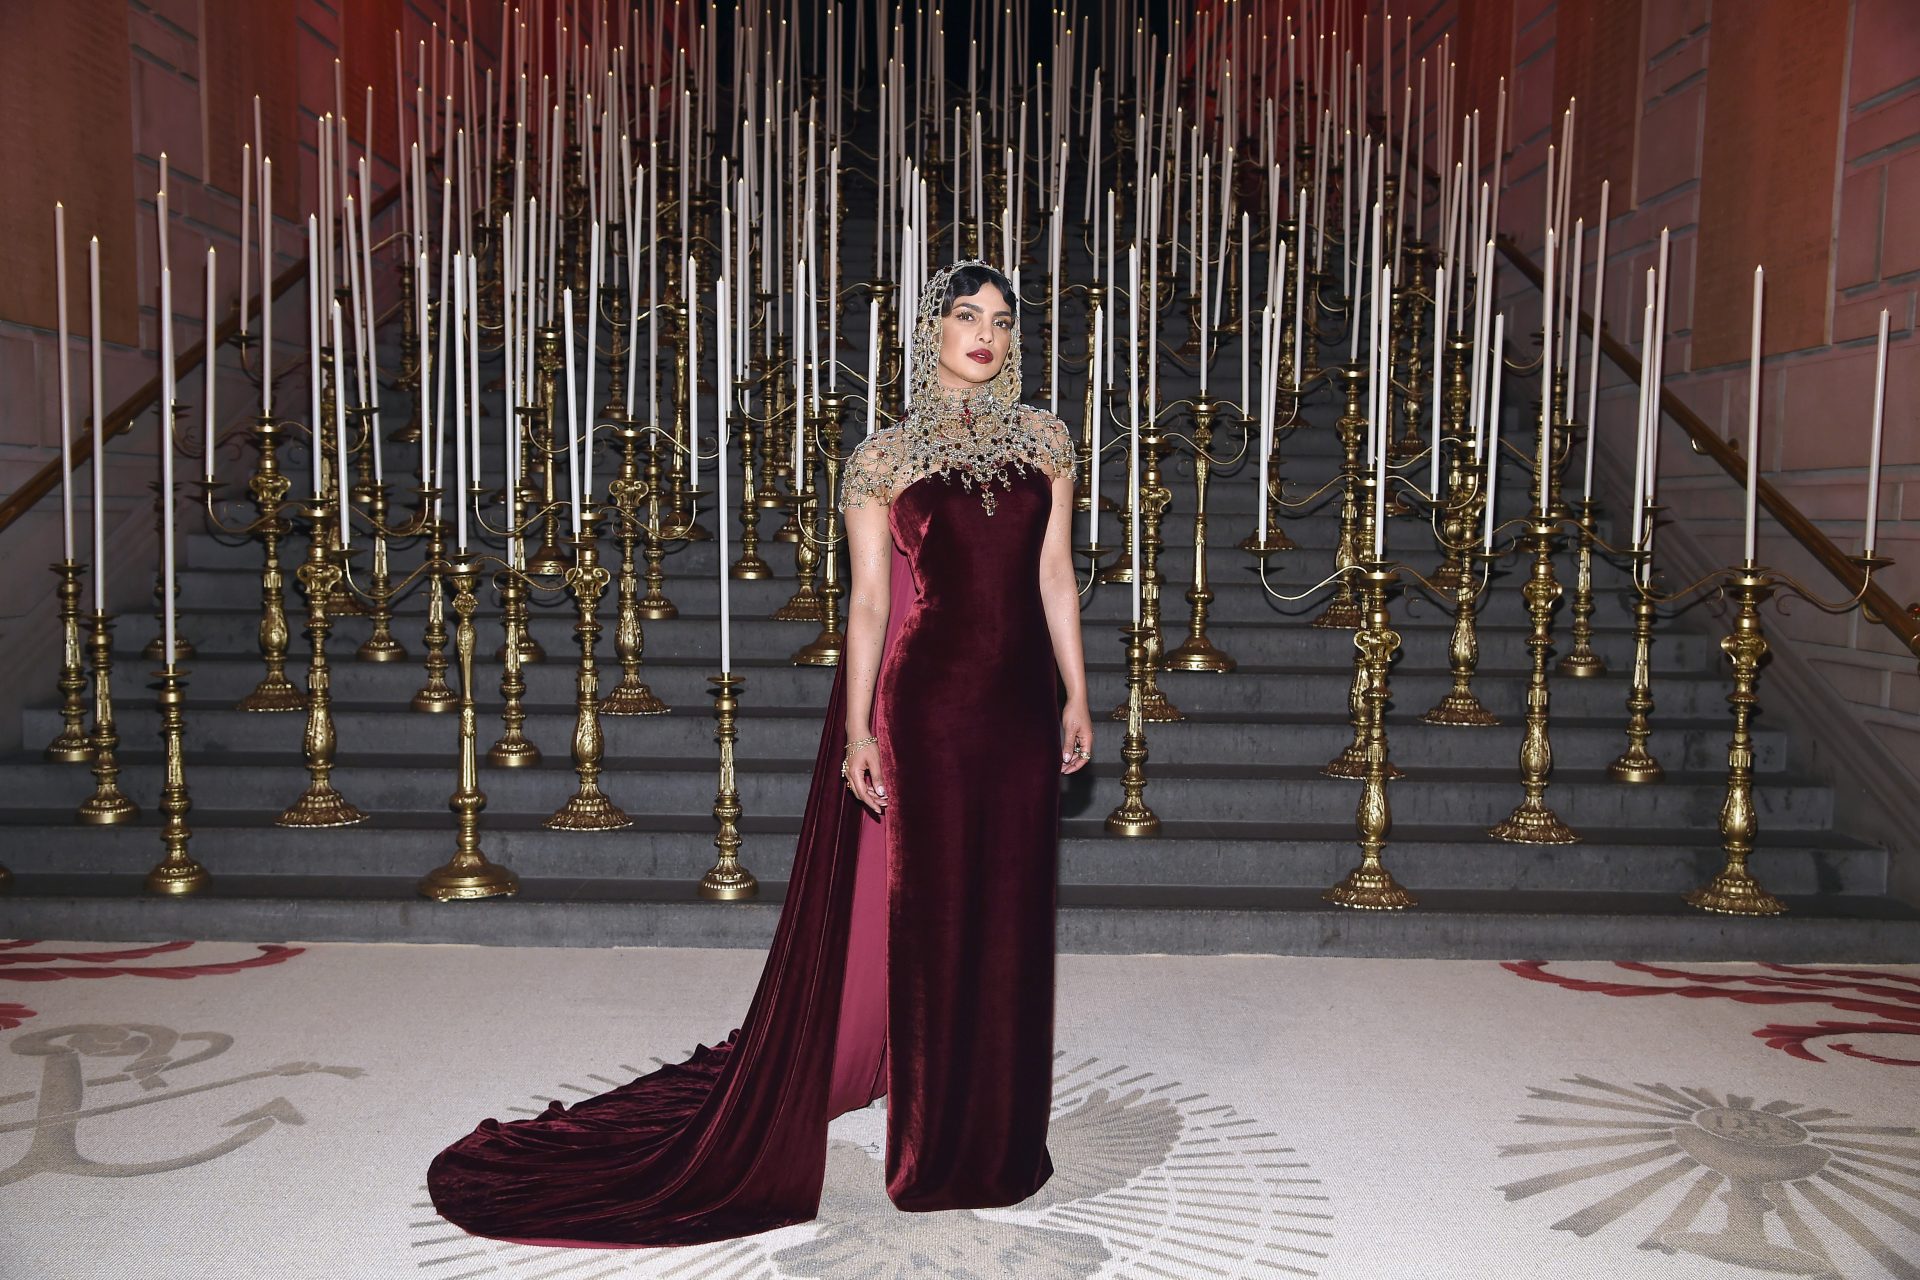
{"points": [[1052, 440]]}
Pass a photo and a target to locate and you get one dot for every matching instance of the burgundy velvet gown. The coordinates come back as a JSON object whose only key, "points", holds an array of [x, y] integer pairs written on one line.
{"points": [[914, 956]]}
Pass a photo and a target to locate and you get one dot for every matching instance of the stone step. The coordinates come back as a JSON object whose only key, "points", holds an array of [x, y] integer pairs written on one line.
{"points": [[678, 847], [1239, 596], [1108, 919], [1223, 737], [1418, 683], [234, 633], [266, 781]]}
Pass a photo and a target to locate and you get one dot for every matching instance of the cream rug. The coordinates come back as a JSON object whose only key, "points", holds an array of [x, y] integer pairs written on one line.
{"points": [[267, 1112]]}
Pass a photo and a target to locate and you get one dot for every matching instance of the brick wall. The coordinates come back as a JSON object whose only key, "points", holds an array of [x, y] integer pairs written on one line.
{"points": [[1816, 399]]}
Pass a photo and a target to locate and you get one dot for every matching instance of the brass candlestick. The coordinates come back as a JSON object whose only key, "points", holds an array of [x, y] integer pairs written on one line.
{"points": [[727, 881], [1353, 761], [824, 649], [749, 566], [70, 746], [1090, 406], [106, 806], [1198, 652], [435, 696], [380, 645], [1734, 891], [548, 452], [408, 377], [269, 487], [1370, 886], [177, 873], [1532, 822], [1462, 487], [320, 805], [1343, 610], [512, 751], [588, 809], [1636, 763], [631, 697], [1583, 663], [655, 604], [468, 874], [1132, 817], [804, 604], [1460, 706], [1155, 498]]}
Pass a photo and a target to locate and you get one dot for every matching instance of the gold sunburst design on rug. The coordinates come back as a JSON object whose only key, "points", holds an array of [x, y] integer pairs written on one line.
{"points": [[1784, 1188], [1148, 1173]]}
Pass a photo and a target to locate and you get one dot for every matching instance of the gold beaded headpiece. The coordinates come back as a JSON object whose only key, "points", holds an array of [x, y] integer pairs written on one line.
{"points": [[928, 399]]}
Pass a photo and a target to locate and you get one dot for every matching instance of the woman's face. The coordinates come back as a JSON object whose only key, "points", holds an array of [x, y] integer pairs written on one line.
{"points": [[975, 338]]}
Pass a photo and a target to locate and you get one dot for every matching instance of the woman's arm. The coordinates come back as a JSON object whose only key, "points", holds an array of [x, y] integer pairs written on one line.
{"points": [[870, 553], [1060, 591], [1060, 596]]}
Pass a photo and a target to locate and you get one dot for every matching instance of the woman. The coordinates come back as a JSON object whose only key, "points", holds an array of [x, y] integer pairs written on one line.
{"points": [[914, 954]]}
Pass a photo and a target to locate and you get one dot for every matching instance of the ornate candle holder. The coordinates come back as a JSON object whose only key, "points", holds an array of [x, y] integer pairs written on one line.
{"points": [[513, 750], [176, 874], [804, 604], [468, 874], [434, 696], [1370, 886], [320, 805], [1198, 652], [1583, 663], [183, 648], [826, 648], [1344, 609], [1132, 817], [588, 809], [727, 881], [1155, 497], [632, 696], [70, 745], [107, 806], [749, 566], [269, 487], [1532, 821]]}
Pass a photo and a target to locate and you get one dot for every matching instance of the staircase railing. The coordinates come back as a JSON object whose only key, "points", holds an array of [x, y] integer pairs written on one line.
{"points": [[1903, 622]]}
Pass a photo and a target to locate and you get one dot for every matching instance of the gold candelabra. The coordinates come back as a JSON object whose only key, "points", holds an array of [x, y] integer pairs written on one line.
{"points": [[1734, 891], [1343, 610], [1460, 706], [1370, 886], [320, 805], [804, 604], [1155, 497], [70, 745], [1532, 821], [588, 809], [176, 874], [434, 696], [269, 487], [1354, 761], [727, 880], [1199, 652], [632, 696], [825, 649], [107, 806], [468, 874], [1132, 817], [513, 750], [749, 566], [1582, 662], [1637, 763]]}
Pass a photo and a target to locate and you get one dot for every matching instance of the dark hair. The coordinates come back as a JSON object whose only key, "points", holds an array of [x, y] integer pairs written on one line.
{"points": [[967, 281]]}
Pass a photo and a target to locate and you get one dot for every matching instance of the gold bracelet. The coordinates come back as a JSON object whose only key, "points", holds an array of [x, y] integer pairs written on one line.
{"points": [[861, 743]]}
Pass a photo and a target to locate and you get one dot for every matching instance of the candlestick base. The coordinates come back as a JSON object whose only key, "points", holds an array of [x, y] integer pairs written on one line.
{"points": [[589, 812], [1370, 888], [1734, 892], [320, 807], [1276, 541], [1533, 823], [274, 694]]}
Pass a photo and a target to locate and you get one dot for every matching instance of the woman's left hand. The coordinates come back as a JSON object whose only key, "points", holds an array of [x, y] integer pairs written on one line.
{"points": [[1076, 737]]}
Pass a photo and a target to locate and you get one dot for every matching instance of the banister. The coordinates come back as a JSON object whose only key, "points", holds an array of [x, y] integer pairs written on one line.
{"points": [[128, 411], [1879, 606]]}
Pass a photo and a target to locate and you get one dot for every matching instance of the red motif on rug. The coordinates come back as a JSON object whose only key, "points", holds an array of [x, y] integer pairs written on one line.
{"points": [[19, 965], [1890, 1000]]}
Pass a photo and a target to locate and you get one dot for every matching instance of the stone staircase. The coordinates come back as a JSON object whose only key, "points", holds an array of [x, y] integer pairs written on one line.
{"points": [[1251, 830]]}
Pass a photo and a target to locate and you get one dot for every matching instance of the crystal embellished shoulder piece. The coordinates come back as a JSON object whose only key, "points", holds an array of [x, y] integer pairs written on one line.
{"points": [[956, 443]]}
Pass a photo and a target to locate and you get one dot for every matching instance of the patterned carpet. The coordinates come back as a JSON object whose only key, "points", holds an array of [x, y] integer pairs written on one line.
{"points": [[226, 1110]]}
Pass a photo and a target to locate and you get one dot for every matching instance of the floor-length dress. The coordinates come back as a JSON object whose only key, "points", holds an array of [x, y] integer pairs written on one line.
{"points": [[914, 956]]}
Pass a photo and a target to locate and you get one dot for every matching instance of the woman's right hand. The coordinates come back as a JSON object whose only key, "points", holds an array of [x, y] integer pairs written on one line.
{"points": [[865, 778]]}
